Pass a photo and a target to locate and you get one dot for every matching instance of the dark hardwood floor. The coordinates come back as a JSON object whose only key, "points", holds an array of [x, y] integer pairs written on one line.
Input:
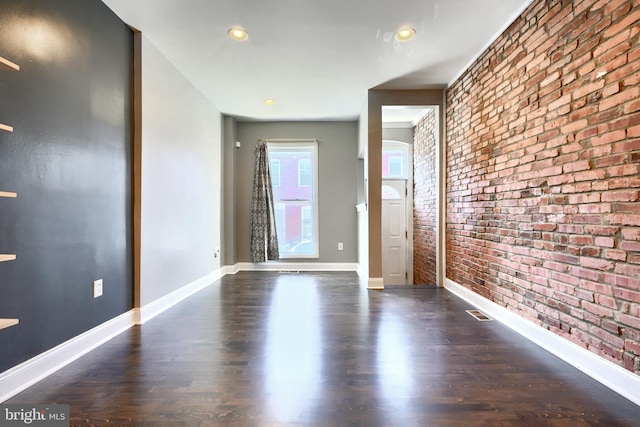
{"points": [[269, 349]]}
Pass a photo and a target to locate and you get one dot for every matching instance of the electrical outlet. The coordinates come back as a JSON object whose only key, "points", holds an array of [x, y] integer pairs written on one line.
{"points": [[97, 288], [340, 246]]}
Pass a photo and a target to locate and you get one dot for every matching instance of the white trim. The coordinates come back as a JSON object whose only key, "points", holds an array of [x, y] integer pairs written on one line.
{"points": [[296, 266], [509, 21], [312, 140], [230, 269], [151, 310], [362, 271], [608, 373], [375, 283], [26, 374]]}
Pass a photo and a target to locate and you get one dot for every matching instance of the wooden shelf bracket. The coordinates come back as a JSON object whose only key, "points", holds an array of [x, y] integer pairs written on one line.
{"points": [[5, 323], [5, 64]]}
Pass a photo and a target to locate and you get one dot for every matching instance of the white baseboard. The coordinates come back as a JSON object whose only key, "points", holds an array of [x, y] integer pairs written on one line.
{"points": [[151, 310], [26, 374], [296, 266], [375, 283], [230, 269], [615, 377]]}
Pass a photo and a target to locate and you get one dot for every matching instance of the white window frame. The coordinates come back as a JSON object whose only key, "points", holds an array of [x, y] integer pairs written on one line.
{"points": [[288, 146]]}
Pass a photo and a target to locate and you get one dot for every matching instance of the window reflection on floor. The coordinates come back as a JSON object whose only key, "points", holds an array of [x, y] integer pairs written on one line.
{"points": [[293, 353], [394, 359]]}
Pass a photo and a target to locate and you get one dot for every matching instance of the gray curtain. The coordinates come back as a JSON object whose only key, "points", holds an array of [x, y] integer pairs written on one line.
{"points": [[264, 240]]}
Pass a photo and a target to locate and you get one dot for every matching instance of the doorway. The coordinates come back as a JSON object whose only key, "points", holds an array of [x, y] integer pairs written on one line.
{"points": [[397, 210], [409, 131]]}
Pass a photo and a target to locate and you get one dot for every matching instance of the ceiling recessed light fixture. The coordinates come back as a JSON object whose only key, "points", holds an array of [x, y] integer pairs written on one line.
{"points": [[269, 102], [238, 34], [405, 34]]}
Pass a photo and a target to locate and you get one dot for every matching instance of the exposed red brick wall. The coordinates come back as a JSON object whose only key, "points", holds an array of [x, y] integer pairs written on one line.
{"points": [[424, 201], [543, 212]]}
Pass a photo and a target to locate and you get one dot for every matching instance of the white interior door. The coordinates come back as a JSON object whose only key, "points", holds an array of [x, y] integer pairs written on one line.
{"points": [[394, 232]]}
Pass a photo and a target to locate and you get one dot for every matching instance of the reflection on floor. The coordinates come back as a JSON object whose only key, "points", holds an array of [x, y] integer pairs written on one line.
{"points": [[258, 349]]}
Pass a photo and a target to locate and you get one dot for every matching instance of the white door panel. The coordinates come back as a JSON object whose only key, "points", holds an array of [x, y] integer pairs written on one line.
{"points": [[394, 232]]}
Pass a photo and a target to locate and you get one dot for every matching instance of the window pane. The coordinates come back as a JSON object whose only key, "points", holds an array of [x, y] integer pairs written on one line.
{"points": [[289, 188], [394, 162], [274, 169], [395, 167], [296, 238]]}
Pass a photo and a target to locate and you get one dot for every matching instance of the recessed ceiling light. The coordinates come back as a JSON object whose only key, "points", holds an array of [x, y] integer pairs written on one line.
{"points": [[269, 102], [238, 34], [405, 34]]}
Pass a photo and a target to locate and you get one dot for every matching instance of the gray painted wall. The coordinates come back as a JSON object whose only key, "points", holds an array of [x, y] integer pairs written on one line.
{"points": [[181, 179], [398, 134], [337, 165], [229, 189]]}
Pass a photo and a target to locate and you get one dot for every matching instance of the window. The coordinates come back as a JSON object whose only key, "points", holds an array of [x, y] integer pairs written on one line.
{"points": [[395, 166], [395, 159], [304, 172], [274, 169], [295, 198]]}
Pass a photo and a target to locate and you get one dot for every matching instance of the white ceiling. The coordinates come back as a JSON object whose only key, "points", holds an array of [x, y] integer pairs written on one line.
{"points": [[315, 58]]}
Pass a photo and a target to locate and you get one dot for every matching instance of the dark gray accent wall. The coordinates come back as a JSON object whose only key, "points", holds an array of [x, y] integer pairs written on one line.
{"points": [[337, 183], [69, 161]]}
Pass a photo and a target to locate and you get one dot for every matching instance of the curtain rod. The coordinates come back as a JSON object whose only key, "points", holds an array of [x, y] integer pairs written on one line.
{"points": [[289, 139]]}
